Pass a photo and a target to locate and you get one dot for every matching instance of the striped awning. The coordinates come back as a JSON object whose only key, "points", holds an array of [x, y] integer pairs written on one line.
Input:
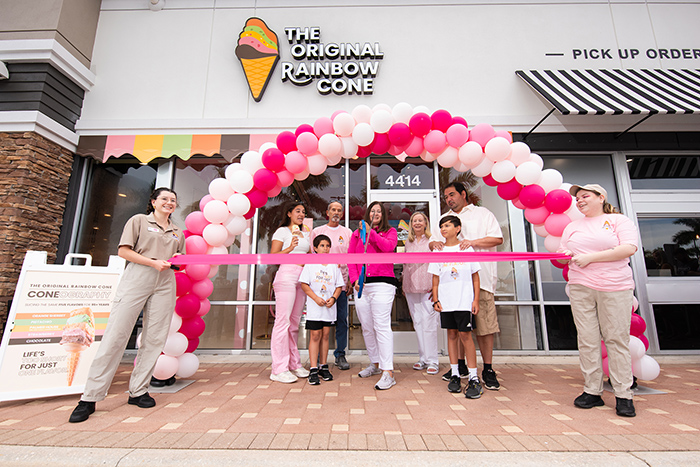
{"points": [[618, 92]]}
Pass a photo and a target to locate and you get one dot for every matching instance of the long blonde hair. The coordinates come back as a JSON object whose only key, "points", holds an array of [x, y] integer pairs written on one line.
{"points": [[411, 233]]}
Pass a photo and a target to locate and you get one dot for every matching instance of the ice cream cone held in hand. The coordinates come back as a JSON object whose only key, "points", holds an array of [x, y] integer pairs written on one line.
{"points": [[78, 335], [258, 52]]}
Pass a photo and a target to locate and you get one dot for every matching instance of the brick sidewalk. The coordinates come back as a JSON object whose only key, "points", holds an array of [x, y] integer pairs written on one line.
{"points": [[236, 406]]}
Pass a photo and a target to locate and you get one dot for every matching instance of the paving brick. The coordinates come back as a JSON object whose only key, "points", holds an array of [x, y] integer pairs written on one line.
{"points": [[414, 443], [376, 442], [262, 441], [357, 442], [281, 441], [338, 442], [491, 443], [434, 443], [300, 441], [395, 443], [510, 443]]}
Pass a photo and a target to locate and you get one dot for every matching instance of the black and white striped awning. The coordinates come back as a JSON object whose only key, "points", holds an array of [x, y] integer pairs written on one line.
{"points": [[618, 92]]}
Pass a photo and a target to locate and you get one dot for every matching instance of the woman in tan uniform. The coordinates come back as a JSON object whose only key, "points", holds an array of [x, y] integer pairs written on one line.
{"points": [[148, 284]]}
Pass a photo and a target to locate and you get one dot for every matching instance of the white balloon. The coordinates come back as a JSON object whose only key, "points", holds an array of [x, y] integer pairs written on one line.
{"points": [[484, 168], [497, 149], [329, 145], [363, 134], [461, 167], [471, 154], [236, 225], [381, 106], [503, 171], [519, 153], [217, 250], [332, 161], [537, 160], [138, 339], [220, 189], [317, 164], [574, 213], [252, 161], [550, 179], [214, 269], [302, 175], [350, 147], [528, 173], [215, 234], [265, 146], [175, 345], [381, 121], [421, 109], [166, 366], [551, 243], [343, 123], [637, 349], [449, 157], [241, 181], [646, 368], [362, 114], [188, 364], [238, 204], [215, 211], [231, 168], [402, 112], [175, 323]]}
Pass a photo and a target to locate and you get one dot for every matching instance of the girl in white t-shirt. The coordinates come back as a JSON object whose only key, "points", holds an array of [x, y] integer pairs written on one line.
{"points": [[292, 237], [322, 284]]}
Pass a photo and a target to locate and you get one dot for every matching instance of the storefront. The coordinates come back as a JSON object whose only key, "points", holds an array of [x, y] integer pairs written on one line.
{"points": [[172, 104]]}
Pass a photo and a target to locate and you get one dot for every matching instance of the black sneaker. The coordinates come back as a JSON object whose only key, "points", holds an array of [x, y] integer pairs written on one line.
{"points": [[82, 412], [463, 371], [313, 377], [145, 401], [624, 407], [448, 375], [158, 383], [474, 389], [325, 374], [588, 401], [455, 384], [490, 380], [342, 363]]}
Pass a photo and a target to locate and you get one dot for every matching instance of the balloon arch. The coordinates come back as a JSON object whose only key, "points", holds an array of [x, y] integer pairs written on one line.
{"points": [[402, 131]]}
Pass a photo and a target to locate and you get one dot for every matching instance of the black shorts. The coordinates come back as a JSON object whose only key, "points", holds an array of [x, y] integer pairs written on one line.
{"points": [[459, 320], [316, 325]]}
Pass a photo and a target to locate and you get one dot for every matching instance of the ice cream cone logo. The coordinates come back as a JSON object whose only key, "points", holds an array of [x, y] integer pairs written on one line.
{"points": [[78, 335], [258, 52]]}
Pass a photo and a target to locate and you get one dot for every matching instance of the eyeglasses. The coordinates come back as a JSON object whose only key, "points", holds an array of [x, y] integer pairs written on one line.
{"points": [[167, 200]]}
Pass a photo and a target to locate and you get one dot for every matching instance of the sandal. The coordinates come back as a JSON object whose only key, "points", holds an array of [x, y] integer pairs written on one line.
{"points": [[433, 369], [418, 366]]}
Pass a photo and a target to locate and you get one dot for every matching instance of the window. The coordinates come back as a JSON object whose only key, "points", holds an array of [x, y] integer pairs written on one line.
{"points": [[664, 172], [670, 245]]}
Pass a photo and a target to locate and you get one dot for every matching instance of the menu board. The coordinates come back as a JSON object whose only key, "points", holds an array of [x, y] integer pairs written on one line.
{"points": [[55, 325]]}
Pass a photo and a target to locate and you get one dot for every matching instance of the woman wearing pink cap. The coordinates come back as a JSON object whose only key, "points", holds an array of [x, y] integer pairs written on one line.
{"points": [[600, 289]]}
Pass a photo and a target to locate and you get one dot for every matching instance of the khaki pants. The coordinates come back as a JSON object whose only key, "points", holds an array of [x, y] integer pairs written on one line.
{"points": [[141, 288], [603, 314]]}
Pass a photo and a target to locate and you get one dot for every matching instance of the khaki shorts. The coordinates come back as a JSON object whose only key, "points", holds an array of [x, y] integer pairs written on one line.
{"points": [[486, 321]]}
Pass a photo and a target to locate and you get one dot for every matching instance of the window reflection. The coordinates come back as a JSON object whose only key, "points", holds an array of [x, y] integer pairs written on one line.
{"points": [[670, 246], [664, 172]]}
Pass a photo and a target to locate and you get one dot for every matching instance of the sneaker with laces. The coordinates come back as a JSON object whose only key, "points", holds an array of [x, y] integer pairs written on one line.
{"points": [[624, 407], [284, 377], [447, 375], [325, 373], [455, 384], [474, 389], [82, 412], [313, 377], [418, 366], [301, 372], [342, 363], [385, 382], [369, 371], [490, 380], [463, 371], [588, 401]]}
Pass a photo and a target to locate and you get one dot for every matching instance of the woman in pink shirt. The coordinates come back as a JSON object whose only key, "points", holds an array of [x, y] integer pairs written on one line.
{"points": [[417, 286], [374, 307], [601, 291]]}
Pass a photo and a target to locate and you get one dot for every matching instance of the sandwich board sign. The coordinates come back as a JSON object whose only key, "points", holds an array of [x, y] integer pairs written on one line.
{"points": [[55, 325]]}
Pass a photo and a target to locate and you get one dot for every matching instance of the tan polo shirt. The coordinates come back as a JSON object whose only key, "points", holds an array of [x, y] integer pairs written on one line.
{"points": [[143, 234]]}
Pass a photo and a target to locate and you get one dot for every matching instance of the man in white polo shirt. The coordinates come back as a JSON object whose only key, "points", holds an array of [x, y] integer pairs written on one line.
{"points": [[480, 230]]}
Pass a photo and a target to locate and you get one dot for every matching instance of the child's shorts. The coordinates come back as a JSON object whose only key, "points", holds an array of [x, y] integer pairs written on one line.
{"points": [[316, 325], [459, 320]]}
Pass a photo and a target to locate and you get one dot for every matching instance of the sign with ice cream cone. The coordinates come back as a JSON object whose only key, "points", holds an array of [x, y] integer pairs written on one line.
{"points": [[56, 322]]}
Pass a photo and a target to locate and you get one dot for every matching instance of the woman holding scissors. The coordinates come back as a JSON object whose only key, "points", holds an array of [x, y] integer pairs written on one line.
{"points": [[374, 302]]}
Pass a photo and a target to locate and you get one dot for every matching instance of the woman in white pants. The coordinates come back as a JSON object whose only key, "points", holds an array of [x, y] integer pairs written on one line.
{"points": [[417, 287], [374, 307]]}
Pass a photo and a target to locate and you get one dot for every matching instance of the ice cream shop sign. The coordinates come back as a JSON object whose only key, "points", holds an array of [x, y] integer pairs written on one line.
{"points": [[344, 68]]}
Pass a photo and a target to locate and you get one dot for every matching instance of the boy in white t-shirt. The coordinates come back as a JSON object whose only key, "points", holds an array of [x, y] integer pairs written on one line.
{"points": [[322, 283], [456, 298]]}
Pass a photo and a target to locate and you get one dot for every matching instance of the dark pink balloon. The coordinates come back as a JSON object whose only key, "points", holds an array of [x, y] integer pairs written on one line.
{"points": [[603, 349], [273, 159], [558, 201], [183, 284], [400, 134], [442, 120], [287, 141], [488, 179], [257, 197], [565, 273], [460, 120], [264, 180], [197, 272], [192, 328], [516, 202], [509, 190], [557, 264], [420, 124], [192, 345], [304, 128], [644, 340], [637, 325], [532, 196], [187, 306], [364, 151], [381, 143], [250, 213]]}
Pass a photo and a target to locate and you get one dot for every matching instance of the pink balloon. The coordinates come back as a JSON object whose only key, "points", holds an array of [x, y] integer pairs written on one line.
{"points": [[488, 180], [202, 289], [303, 128], [204, 307], [442, 120], [644, 340], [637, 325], [505, 134], [516, 202], [196, 245], [435, 141], [296, 162], [459, 121], [555, 224], [197, 272], [274, 192], [192, 345], [166, 367], [322, 126], [187, 306], [415, 148], [195, 222], [193, 327], [264, 180], [457, 134], [558, 201], [285, 178], [509, 190], [420, 124], [605, 367], [183, 284], [257, 198], [381, 143], [273, 159], [482, 134], [287, 142], [535, 215], [186, 233], [203, 202], [400, 134], [565, 273], [603, 349], [307, 143], [532, 196]]}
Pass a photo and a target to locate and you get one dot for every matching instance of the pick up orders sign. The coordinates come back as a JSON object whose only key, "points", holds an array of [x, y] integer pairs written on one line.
{"points": [[56, 322]]}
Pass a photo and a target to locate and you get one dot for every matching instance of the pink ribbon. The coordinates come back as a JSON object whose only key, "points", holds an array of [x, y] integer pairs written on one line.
{"points": [[366, 258]]}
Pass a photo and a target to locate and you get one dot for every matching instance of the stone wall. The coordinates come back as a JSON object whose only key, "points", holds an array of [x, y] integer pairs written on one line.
{"points": [[34, 175]]}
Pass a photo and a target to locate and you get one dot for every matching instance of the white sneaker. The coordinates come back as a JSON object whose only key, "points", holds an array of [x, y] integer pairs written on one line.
{"points": [[284, 377], [301, 372], [385, 382], [369, 371]]}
